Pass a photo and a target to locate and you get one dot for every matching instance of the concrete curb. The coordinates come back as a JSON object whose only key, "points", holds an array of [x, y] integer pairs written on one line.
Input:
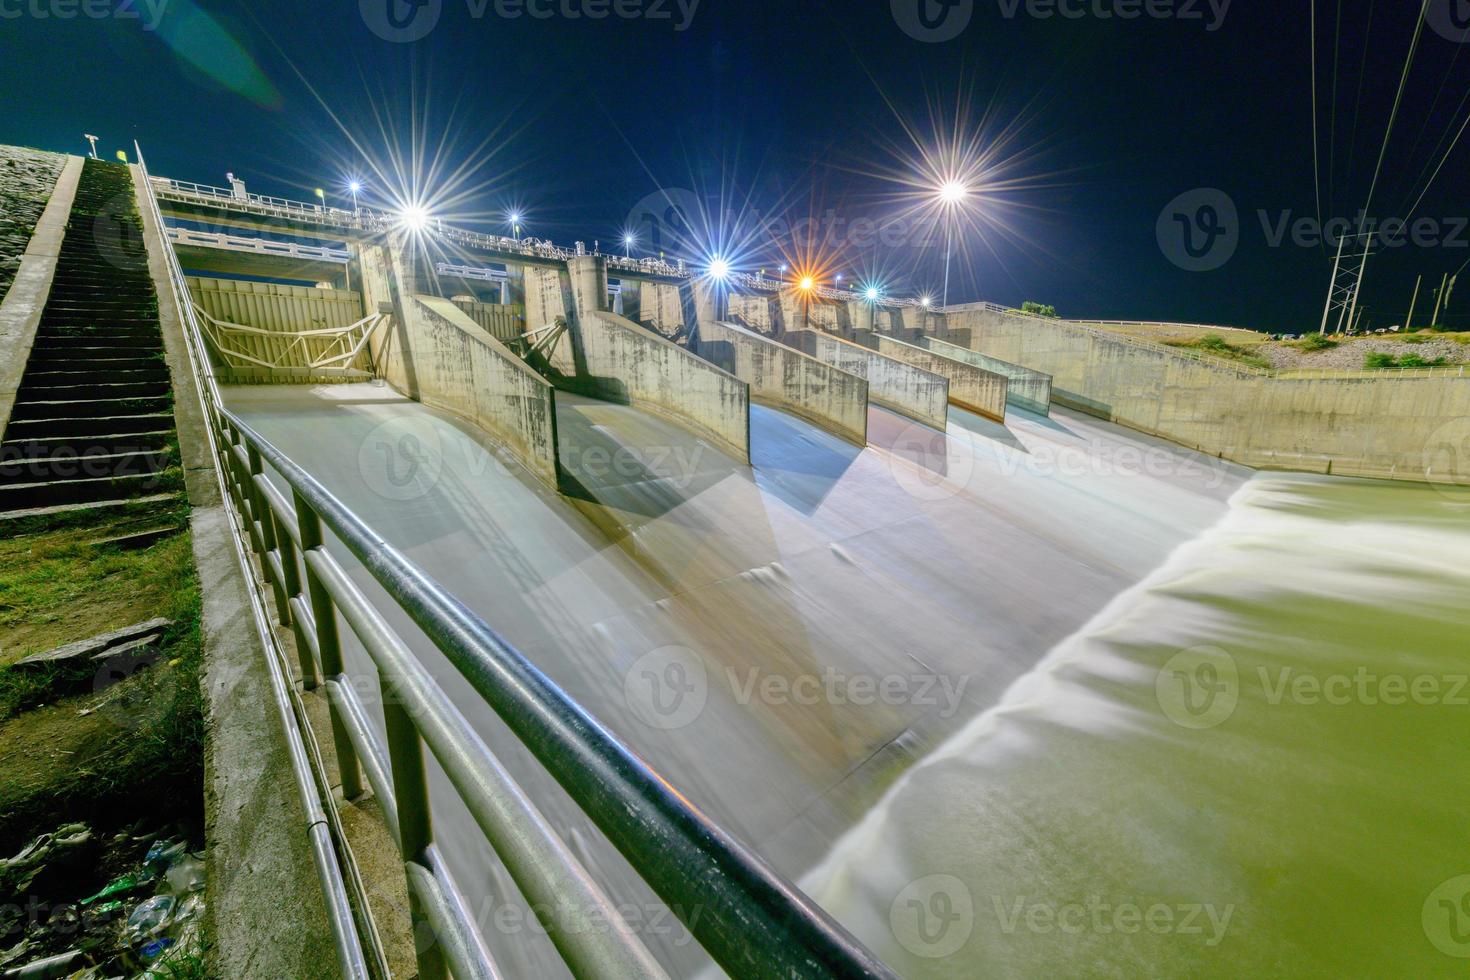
{"points": [[21, 308]]}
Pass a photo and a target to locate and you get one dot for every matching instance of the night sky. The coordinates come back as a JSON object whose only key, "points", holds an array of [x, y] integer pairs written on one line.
{"points": [[785, 109]]}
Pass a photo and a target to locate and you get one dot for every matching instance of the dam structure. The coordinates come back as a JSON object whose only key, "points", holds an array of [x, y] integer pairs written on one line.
{"points": [[566, 584]]}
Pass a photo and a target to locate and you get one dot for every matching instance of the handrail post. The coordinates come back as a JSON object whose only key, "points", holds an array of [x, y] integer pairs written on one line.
{"points": [[415, 831], [262, 512], [329, 645]]}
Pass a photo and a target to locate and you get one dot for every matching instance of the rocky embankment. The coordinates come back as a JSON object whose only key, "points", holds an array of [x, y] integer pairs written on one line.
{"points": [[26, 180], [1349, 355]]}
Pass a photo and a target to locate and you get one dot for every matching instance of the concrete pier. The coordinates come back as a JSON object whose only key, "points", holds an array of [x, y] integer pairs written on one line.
{"points": [[790, 380], [981, 391], [921, 395], [1025, 388]]}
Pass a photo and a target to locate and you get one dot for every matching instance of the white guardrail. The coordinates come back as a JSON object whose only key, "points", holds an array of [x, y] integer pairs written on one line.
{"points": [[257, 246]]}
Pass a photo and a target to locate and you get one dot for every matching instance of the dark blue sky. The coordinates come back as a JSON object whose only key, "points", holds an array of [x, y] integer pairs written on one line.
{"points": [[793, 107]]}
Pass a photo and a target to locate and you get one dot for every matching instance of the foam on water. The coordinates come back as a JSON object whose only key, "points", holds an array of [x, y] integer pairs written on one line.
{"points": [[1227, 772]]}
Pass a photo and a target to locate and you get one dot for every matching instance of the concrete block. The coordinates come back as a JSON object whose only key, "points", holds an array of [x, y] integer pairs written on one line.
{"points": [[918, 394], [787, 379], [1026, 389], [442, 358], [970, 387], [626, 363]]}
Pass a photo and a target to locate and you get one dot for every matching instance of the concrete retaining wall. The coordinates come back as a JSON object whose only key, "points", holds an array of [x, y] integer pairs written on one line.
{"points": [[1026, 389], [760, 312], [442, 358], [976, 389], [920, 395], [504, 323], [660, 306], [1403, 427], [24, 301], [623, 362], [790, 380]]}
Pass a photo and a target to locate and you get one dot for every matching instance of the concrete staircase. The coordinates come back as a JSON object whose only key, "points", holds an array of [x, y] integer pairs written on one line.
{"points": [[93, 421]]}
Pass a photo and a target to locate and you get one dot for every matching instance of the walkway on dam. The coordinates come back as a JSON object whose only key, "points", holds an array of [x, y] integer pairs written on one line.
{"points": [[679, 594]]}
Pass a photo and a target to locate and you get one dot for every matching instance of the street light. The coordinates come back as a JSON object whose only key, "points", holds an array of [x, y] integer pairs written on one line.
{"points": [[951, 193], [515, 224], [629, 240], [719, 269], [414, 218], [807, 284], [354, 187], [321, 195], [872, 294]]}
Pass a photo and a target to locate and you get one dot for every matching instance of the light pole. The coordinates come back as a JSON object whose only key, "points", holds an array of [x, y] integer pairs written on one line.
{"points": [[628, 240], [515, 224], [355, 188], [807, 285], [951, 194], [93, 140]]}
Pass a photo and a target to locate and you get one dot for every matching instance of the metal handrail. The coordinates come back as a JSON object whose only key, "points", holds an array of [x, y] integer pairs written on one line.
{"points": [[354, 952], [750, 919]]}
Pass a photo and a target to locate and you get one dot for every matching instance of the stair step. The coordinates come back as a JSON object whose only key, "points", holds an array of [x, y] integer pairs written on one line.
{"points": [[100, 443], [108, 389], [22, 430], [29, 516], [20, 496], [93, 465], [80, 375], [87, 408], [48, 364]]}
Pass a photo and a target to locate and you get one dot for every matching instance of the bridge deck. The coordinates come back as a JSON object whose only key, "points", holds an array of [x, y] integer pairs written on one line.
{"points": [[819, 557]]}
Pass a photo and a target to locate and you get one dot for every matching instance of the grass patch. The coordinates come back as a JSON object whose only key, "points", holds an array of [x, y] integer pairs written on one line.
{"points": [[1315, 342], [57, 587], [1217, 346], [1378, 360]]}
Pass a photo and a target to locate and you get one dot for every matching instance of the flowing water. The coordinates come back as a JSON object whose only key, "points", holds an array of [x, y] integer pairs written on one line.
{"points": [[1254, 763]]}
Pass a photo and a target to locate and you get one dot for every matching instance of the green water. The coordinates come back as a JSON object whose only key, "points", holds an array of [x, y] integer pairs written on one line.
{"points": [[1257, 763]]}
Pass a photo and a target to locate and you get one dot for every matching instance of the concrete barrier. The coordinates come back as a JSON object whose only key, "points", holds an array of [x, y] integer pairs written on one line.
{"points": [[620, 361], [1026, 388], [1411, 426], [437, 355], [790, 380], [921, 395], [970, 387]]}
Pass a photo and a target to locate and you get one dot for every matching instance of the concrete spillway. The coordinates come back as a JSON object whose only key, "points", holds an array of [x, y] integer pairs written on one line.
{"points": [[735, 624]]}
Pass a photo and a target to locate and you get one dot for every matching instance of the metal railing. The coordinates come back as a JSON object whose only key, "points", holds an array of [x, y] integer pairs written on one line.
{"points": [[258, 246], [325, 350], [746, 916]]}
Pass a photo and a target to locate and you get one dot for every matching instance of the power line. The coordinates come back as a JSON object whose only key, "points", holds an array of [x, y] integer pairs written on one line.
{"points": [[1316, 156], [1398, 101]]}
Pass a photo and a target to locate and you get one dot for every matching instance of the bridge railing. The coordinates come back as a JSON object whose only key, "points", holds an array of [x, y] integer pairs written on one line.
{"points": [[750, 920]]}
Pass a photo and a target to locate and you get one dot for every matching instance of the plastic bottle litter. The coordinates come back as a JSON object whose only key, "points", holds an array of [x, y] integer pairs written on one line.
{"points": [[153, 950], [149, 918], [185, 875], [117, 887]]}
